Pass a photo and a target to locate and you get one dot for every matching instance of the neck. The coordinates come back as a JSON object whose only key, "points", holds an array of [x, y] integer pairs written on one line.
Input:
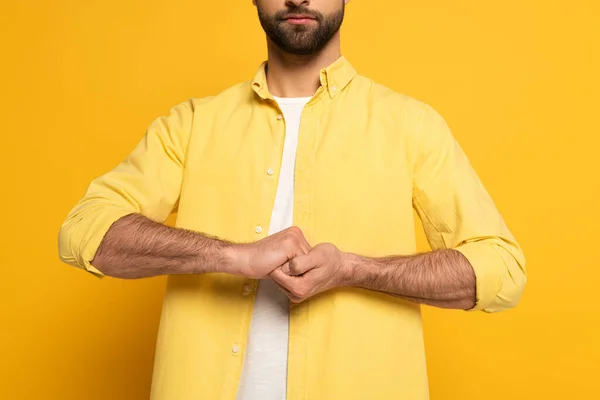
{"points": [[290, 75]]}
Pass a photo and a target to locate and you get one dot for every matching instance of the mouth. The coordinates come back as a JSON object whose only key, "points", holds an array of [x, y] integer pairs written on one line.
{"points": [[299, 19]]}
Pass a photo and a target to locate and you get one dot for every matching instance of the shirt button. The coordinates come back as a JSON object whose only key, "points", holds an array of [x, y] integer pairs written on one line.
{"points": [[258, 229], [247, 289], [270, 171], [235, 349], [334, 88], [280, 117]]}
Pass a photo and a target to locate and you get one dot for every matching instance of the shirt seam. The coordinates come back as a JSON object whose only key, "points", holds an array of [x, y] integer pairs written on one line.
{"points": [[417, 146]]}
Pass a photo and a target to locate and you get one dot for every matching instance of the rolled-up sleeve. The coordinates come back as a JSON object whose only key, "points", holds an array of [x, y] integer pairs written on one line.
{"points": [[458, 213], [148, 181]]}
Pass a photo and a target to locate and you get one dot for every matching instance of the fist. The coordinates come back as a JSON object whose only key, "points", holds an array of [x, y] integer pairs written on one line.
{"points": [[322, 268], [257, 260]]}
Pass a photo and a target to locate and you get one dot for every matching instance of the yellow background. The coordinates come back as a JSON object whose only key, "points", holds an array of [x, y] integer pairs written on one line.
{"points": [[81, 80]]}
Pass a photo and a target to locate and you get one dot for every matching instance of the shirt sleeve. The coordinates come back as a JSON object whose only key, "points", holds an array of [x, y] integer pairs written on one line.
{"points": [[148, 182], [457, 212]]}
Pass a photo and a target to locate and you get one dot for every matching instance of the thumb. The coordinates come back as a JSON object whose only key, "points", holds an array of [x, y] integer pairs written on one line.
{"points": [[299, 265]]}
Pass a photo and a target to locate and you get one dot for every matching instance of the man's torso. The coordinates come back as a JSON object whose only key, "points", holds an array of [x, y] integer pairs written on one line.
{"points": [[353, 187]]}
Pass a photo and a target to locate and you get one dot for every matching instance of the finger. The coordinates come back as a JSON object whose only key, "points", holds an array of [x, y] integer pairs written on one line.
{"points": [[300, 239], [292, 286], [284, 267], [300, 265], [284, 290], [289, 294], [282, 278]]}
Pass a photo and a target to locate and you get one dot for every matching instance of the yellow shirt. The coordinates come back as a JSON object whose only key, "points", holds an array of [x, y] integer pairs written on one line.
{"points": [[366, 156]]}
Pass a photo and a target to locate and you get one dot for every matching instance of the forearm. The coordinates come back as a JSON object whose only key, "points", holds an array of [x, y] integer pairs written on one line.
{"points": [[443, 278], [137, 247]]}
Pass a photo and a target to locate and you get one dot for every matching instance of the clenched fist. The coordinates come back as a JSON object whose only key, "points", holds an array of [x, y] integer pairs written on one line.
{"points": [[257, 260], [322, 268]]}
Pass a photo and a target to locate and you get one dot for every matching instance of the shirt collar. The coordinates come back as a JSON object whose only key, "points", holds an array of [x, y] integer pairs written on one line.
{"points": [[335, 78]]}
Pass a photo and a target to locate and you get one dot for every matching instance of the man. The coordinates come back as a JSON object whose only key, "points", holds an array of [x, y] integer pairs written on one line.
{"points": [[299, 184]]}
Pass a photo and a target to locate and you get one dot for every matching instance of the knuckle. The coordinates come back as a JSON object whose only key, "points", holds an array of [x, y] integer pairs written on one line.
{"points": [[291, 244], [325, 246], [300, 292], [326, 249], [297, 232]]}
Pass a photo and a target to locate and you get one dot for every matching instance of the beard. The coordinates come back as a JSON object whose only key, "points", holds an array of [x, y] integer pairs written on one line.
{"points": [[301, 39]]}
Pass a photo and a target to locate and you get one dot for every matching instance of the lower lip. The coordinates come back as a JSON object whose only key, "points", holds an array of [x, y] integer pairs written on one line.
{"points": [[299, 21]]}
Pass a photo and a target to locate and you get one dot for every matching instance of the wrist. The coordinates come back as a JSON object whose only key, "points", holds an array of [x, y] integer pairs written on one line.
{"points": [[235, 259], [361, 271], [350, 269], [217, 257]]}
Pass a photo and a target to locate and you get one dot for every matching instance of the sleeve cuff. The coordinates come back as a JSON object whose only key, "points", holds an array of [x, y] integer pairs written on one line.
{"points": [[93, 238], [80, 243], [488, 281]]}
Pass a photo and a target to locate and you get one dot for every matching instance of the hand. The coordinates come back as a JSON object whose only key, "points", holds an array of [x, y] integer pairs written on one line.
{"points": [[256, 260], [322, 268]]}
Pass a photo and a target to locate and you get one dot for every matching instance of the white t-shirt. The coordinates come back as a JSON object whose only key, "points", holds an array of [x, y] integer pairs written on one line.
{"points": [[264, 373]]}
